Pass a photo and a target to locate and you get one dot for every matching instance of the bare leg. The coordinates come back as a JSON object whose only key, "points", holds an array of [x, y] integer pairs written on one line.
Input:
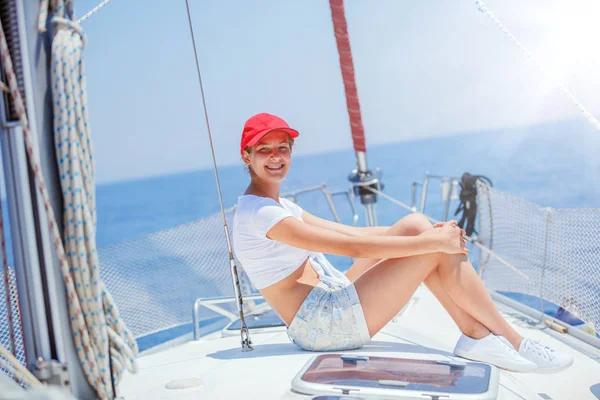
{"points": [[412, 225], [386, 287], [467, 321], [468, 291]]}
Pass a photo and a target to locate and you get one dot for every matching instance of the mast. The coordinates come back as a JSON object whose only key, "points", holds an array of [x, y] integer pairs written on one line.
{"points": [[50, 352], [362, 178]]}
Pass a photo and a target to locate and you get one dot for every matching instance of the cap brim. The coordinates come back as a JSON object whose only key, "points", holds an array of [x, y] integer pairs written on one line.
{"points": [[292, 132]]}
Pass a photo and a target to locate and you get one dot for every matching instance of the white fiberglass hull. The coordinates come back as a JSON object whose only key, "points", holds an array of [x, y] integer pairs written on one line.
{"points": [[215, 367]]}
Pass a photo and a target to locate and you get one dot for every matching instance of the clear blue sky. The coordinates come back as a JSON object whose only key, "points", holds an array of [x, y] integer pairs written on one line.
{"points": [[424, 68]]}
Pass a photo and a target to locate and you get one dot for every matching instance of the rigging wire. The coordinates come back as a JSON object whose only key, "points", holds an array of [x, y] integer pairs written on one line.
{"points": [[246, 343]]}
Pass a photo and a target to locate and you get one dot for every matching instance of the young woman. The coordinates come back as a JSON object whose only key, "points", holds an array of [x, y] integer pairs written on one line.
{"points": [[280, 247]]}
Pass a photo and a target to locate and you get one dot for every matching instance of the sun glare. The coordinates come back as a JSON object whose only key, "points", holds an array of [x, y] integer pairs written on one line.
{"points": [[570, 46]]}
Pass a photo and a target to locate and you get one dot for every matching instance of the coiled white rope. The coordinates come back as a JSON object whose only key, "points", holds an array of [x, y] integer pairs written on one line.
{"points": [[76, 169], [18, 371], [102, 341], [592, 120], [75, 161]]}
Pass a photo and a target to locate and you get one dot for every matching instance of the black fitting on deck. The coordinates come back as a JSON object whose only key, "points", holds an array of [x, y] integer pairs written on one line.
{"points": [[362, 181]]}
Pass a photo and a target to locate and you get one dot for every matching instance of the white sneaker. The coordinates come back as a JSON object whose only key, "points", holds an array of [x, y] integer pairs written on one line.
{"points": [[547, 360], [493, 350]]}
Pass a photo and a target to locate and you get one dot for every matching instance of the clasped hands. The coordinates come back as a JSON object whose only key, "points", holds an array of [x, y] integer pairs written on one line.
{"points": [[449, 238]]}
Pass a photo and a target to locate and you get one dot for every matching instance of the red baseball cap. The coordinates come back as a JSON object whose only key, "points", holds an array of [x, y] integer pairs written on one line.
{"points": [[259, 125]]}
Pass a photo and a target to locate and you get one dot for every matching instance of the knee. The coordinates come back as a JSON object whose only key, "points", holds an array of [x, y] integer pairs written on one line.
{"points": [[415, 223]]}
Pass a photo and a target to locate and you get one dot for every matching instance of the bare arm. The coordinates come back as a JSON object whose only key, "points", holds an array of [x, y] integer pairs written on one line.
{"points": [[341, 228], [316, 238]]}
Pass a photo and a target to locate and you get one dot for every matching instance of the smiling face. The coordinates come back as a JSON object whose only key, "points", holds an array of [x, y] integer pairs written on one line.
{"points": [[269, 159]]}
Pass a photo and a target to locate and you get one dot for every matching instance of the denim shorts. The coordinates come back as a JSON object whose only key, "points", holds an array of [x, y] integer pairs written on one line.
{"points": [[330, 319]]}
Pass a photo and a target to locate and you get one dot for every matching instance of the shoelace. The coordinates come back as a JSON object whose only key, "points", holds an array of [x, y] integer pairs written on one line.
{"points": [[541, 349], [506, 344]]}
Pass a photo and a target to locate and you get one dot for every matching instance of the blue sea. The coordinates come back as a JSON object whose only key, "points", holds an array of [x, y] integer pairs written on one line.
{"points": [[553, 165]]}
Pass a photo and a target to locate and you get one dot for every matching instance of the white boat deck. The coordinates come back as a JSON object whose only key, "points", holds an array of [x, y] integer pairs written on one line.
{"points": [[423, 330]]}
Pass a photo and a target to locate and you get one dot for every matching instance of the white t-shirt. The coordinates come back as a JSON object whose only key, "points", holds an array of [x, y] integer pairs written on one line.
{"points": [[268, 261]]}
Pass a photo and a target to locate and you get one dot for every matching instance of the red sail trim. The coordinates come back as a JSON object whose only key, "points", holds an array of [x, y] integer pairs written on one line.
{"points": [[340, 28]]}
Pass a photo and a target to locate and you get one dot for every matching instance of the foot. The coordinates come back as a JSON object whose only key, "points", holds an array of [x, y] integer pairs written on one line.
{"points": [[493, 350], [547, 360]]}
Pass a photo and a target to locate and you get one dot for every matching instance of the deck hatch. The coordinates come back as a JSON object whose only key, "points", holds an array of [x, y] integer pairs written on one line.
{"points": [[396, 377]]}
